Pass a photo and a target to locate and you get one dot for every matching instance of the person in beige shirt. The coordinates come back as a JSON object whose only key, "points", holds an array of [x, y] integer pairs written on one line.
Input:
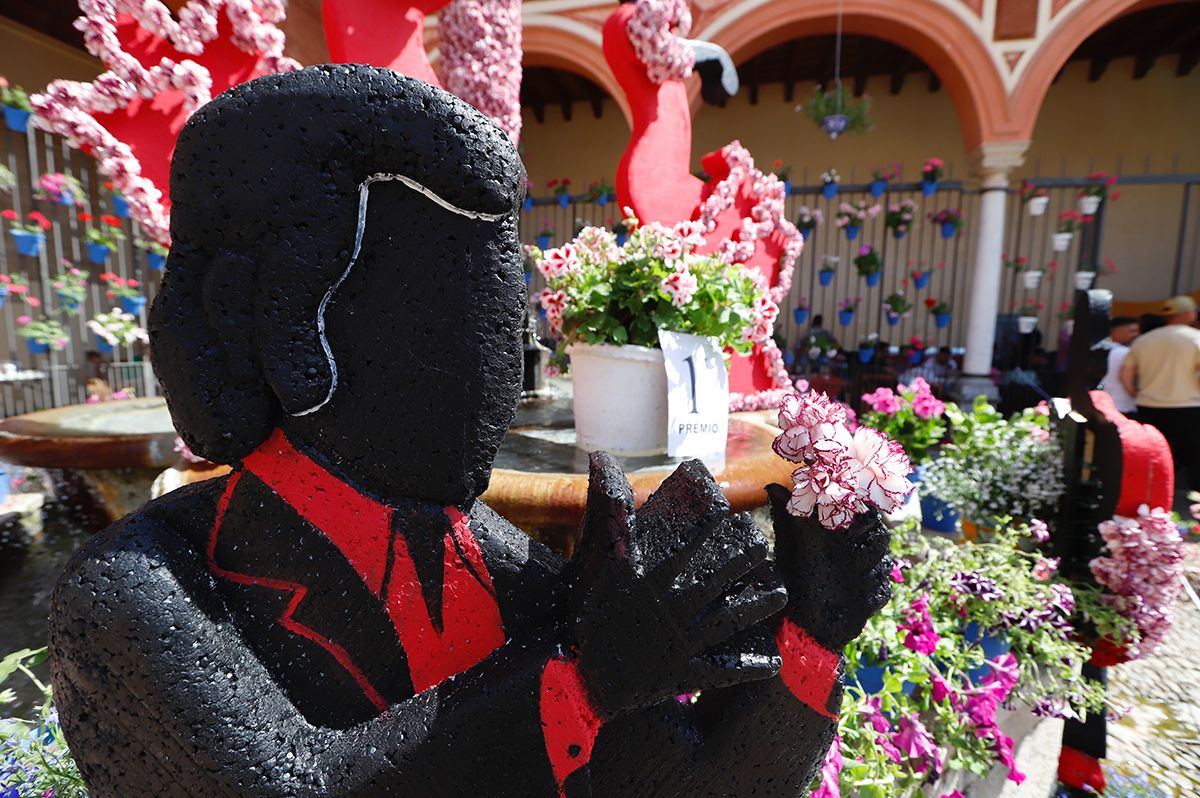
{"points": [[1162, 371]]}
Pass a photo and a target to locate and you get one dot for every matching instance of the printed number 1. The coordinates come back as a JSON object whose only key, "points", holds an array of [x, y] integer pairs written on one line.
{"points": [[692, 371]]}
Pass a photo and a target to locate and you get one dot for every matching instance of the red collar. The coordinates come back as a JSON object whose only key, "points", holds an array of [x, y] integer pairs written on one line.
{"points": [[361, 528]]}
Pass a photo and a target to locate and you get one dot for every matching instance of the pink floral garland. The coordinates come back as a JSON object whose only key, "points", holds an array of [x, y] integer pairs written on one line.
{"points": [[68, 107], [1142, 571], [481, 54], [765, 219], [654, 31]]}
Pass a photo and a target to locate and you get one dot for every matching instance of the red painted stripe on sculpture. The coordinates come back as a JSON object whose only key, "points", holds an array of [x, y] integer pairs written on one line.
{"points": [[569, 724], [298, 593], [809, 669], [471, 624], [356, 524]]}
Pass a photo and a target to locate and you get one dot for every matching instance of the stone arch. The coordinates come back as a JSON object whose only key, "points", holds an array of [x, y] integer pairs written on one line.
{"points": [[941, 37], [566, 44], [1067, 34]]}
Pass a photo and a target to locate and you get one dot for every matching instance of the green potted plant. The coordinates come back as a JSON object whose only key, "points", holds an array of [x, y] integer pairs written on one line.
{"points": [[60, 188], [27, 235], [808, 219], [156, 253], [42, 335], [1028, 315], [116, 328], [1021, 265], [836, 112], [599, 191], [949, 220], [17, 109], [1099, 188], [125, 291], [545, 232], [869, 265], [829, 264], [830, 179], [607, 305], [1068, 223], [896, 307], [941, 311], [899, 217], [783, 173], [846, 310], [70, 284], [8, 181], [102, 241], [1035, 199], [931, 175], [852, 216], [880, 177], [996, 467], [561, 188]]}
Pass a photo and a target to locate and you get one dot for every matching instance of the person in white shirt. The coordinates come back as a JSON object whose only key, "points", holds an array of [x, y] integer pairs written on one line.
{"points": [[1123, 329]]}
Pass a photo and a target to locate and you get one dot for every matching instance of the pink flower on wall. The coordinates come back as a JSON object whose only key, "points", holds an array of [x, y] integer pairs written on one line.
{"points": [[656, 30], [149, 54], [480, 43]]}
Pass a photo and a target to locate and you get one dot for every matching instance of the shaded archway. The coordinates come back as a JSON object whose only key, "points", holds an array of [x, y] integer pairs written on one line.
{"points": [[941, 38], [1058, 47], [564, 44]]}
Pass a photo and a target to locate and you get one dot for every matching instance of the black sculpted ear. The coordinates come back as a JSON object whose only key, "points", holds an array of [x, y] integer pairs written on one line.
{"points": [[201, 339]]}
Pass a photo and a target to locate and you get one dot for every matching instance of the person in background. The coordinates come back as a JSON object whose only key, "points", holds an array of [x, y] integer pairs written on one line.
{"points": [[1122, 330], [1162, 371]]}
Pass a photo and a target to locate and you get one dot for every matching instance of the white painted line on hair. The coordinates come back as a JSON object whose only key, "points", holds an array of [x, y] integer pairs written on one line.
{"points": [[364, 191]]}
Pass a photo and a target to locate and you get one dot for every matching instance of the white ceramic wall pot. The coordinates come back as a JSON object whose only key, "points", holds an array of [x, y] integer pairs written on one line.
{"points": [[1089, 205], [1084, 280], [1062, 241], [620, 397], [1032, 278], [1027, 324], [1037, 205]]}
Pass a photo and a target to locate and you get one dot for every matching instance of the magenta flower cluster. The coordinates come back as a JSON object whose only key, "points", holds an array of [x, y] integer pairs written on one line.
{"points": [[1142, 571], [919, 396]]}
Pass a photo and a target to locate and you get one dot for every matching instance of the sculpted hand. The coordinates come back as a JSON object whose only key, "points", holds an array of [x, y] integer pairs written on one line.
{"points": [[835, 580], [669, 601]]}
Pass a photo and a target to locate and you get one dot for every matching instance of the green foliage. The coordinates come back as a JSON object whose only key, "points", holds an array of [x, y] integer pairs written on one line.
{"points": [[839, 101], [34, 758]]}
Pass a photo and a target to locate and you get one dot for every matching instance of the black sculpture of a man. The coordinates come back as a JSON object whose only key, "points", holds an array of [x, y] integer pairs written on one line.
{"points": [[340, 616]]}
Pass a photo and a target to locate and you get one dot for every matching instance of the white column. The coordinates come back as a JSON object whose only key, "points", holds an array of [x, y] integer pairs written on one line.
{"points": [[992, 164]]}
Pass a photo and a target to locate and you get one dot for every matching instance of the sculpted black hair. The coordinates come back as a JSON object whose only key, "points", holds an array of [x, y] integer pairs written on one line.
{"points": [[265, 186]]}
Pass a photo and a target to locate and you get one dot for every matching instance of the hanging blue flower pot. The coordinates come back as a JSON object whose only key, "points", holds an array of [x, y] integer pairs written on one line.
{"points": [[829, 190], [949, 229], [866, 354], [103, 346], [916, 358], [16, 119], [852, 231], [602, 200], [98, 253], [825, 278], [936, 515], [69, 305], [877, 188], [120, 206], [873, 279], [929, 187], [941, 320], [993, 646], [3, 294], [564, 200], [528, 279], [37, 347], [899, 234], [800, 315], [133, 304], [155, 261], [65, 198], [28, 243], [806, 233], [920, 280], [543, 242], [789, 358], [845, 317], [893, 318], [787, 188], [528, 204], [622, 238]]}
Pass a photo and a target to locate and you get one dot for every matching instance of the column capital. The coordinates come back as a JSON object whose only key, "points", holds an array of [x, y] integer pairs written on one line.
{"points": [[992, 161]]}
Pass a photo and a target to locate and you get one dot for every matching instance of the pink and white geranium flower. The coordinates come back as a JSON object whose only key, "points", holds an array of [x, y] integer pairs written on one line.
{"points": [[841, 474]]}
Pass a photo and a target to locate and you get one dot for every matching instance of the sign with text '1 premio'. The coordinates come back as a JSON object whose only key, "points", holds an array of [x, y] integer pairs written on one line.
{"points": [[697, 398]]}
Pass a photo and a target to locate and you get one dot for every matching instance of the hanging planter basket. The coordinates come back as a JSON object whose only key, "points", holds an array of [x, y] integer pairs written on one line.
{"points": [[1062, 241], [837, 112], [1037, 206], [1032, 278], [825, 278], [1084, 280], [1027, 324], [1089, 204], [845, 317], [829, 190]]}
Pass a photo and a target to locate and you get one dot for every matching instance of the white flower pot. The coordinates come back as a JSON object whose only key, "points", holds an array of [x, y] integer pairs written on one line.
{"points": [[1062, 241], [1084, 280], [620, 399], [1027, 324], [1033, 278], [1037, 205], [1069, 326], [1089, 204]]}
